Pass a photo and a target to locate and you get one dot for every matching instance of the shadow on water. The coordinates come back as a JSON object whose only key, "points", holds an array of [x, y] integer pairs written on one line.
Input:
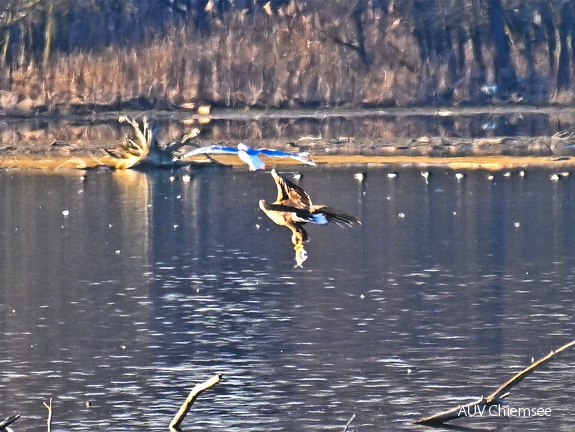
{"points": [[124, 289]]}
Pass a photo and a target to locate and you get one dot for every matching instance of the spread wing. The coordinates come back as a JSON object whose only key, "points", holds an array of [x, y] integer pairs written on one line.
{"points": [[301, 157], [289, 193], [215, 149], [292, 214]]}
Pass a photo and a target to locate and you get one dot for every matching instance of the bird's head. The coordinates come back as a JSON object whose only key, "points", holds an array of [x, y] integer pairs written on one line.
{"points": [[242, 147]]}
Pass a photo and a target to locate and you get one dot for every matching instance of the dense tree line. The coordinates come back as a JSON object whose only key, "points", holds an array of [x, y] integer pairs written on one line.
{"points": [[284, 53]]}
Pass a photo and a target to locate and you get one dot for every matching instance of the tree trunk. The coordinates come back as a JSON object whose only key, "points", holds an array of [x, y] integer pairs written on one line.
{"points": [[547, 22], [48, 36], [564, 66], [504, 70]]}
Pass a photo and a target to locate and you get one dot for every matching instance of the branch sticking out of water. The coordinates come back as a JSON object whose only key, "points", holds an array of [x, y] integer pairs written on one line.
{"points": [[49, 408], [495, 398], [348, 423], [8, 421], [185, 408]]}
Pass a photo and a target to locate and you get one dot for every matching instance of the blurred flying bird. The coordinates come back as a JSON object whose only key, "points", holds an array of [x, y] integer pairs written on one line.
{"points": [[250, 155], [489, 89]]}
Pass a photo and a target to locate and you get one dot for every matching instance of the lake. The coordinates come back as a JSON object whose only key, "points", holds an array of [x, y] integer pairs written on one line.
{"points": [[119, 291]]}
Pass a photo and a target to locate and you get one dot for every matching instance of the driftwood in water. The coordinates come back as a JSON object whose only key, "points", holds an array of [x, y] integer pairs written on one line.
{"points": [[495, 398], [144, 148], [49, 408], [348, 423], [8, 421], [185, 408]]}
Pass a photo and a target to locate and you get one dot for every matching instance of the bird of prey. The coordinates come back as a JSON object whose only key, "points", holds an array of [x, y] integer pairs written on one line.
{"points": [[293, 208], [250, 155]]}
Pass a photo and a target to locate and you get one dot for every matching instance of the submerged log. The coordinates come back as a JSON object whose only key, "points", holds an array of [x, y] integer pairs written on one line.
{"points": [[187, 405], [495, 398]]}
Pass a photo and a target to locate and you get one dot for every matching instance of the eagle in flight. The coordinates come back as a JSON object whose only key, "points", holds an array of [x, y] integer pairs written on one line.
{"points": [[293, 208]]}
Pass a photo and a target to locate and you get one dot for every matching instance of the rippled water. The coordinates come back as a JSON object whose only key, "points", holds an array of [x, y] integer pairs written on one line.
{"points": [[125, 289]]}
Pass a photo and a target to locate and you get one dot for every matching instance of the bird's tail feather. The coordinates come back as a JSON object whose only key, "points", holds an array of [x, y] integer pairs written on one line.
{"points": [[327, 214]]}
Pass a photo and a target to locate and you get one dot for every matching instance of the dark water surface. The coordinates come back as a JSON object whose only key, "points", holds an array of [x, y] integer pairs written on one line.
{"points": [[126, 289]]}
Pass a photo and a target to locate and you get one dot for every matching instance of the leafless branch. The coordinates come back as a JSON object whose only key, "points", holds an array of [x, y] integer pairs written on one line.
{"points": [[185, 408], [494, 398]]}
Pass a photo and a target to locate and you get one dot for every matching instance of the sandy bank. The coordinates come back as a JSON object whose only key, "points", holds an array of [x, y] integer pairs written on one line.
{"points": [[61, 164]]}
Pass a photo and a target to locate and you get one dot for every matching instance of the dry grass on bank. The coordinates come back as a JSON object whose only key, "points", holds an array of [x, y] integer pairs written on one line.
{"points": [[292, 58]]}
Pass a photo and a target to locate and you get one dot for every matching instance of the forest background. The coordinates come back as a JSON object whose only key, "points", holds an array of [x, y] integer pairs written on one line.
{"points": [[66, 56]]}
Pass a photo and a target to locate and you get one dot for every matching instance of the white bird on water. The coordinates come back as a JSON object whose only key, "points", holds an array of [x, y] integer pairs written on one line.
{"points": [[250, 155]]}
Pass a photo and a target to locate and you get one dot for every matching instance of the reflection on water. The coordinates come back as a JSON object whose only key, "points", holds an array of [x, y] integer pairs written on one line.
{"points": [[124, 289], [436, 133]]}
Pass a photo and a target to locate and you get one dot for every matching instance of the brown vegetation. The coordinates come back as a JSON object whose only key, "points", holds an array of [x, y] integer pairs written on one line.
{"points": [[63, 55]]}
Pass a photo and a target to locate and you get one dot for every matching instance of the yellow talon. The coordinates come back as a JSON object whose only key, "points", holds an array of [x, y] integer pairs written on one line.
{"points": [[298, 246]]}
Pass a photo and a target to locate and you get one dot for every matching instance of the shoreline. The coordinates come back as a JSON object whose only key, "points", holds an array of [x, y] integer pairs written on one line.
{"points": [[103, 114], [68, 143], [63, 164]]}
